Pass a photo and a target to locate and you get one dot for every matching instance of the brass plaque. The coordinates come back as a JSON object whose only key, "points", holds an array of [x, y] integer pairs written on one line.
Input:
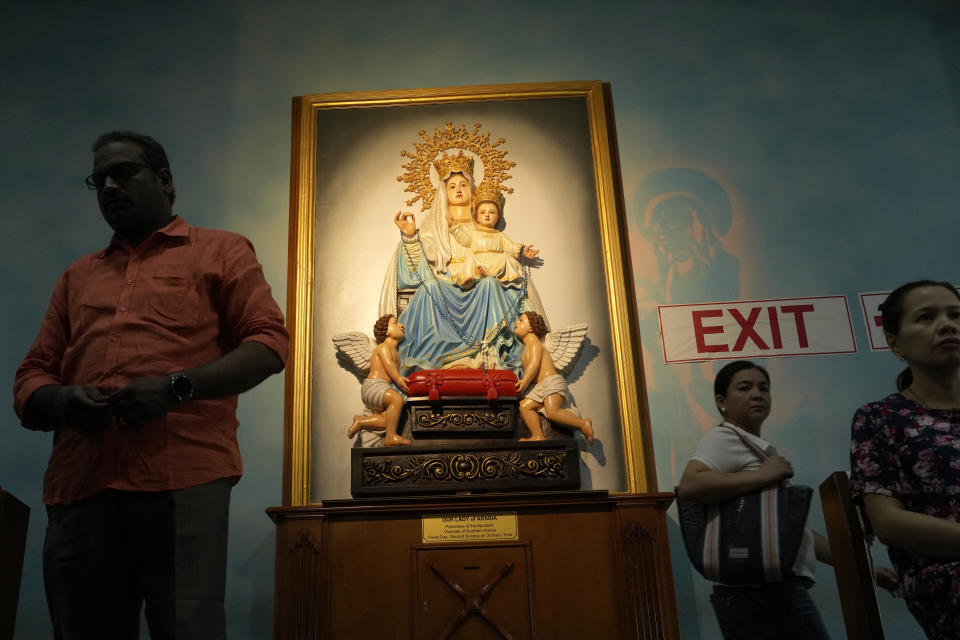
{"points": [[463, 527]]}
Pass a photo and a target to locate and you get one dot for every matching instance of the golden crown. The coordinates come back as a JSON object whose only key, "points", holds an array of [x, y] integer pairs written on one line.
{"points": [[432, 151], [454, 164], [487, 192]]}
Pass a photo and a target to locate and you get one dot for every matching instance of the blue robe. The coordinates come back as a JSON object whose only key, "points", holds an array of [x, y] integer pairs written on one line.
{"points": [[442, 320]]}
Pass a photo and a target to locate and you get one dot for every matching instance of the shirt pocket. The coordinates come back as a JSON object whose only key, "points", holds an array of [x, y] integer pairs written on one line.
{"points": [[96, 307], [170, 297]]}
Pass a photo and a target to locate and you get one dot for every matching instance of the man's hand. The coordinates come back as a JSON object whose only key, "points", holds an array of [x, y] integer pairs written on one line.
{"points": [[522, 384], [403, 385], [141, 401], [73, 406]]}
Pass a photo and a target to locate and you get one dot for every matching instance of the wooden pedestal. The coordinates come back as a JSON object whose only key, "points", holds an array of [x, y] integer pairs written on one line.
{"points": [[585, 565], [463, 466]]}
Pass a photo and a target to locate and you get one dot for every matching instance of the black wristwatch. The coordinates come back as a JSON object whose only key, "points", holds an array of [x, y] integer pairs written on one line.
{"points": [[181, 387]]}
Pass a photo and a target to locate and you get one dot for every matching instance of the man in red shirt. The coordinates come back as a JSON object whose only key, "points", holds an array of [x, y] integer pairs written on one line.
{"points": [[137, 366]]}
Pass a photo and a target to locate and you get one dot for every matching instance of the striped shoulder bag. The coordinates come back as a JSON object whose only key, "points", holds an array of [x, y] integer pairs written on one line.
{"points": [[749, 539]]}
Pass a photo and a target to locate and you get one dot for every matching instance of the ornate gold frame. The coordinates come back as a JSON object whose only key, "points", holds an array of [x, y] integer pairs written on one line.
{"points": [[631, 390]]}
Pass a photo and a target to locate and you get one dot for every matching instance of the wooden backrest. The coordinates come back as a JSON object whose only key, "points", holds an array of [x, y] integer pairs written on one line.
{"points": [[847, 528], [13, 539]]}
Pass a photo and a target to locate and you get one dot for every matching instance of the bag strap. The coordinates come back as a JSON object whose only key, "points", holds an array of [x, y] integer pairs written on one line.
{"points": [[757, 451]]}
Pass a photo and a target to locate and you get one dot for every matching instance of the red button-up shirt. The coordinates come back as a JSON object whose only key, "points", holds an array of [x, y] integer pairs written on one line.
{"points": [[184, 297]]}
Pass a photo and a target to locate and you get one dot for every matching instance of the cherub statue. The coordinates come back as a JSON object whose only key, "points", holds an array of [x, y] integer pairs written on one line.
{"points": [[550, 391], [491, 252], [380, 362]]}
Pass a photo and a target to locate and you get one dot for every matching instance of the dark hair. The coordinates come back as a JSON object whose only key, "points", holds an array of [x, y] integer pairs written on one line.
{"points": [[380, 327], [722, 381], [891, 313], [537, 324], [153, 153]]}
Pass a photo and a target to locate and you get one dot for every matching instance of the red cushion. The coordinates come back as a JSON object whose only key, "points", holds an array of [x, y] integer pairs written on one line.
{"points": [[436, 383]]}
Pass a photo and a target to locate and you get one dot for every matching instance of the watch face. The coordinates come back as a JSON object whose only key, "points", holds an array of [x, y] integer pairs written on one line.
{"points": [[182, 387]]}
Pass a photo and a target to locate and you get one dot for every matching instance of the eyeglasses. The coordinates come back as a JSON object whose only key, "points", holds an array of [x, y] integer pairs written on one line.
{"points": [[119, 172]]}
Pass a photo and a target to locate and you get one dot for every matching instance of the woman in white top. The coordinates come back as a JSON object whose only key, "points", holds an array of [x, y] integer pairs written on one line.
{"points": [[723, 466]]}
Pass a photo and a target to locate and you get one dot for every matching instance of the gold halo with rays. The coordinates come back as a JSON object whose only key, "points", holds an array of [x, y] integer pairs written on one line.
{"points": [[417, 170]]}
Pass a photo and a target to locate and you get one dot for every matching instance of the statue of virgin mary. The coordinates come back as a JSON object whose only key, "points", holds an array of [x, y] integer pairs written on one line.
{"points": [[447, 326]]}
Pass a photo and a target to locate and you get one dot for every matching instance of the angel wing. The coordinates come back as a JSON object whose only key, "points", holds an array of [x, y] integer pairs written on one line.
{"points": [[564, 346], [355, 348]]}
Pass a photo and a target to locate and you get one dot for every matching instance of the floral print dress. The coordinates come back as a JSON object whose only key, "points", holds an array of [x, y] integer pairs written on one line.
{"points": [[911, 453]]}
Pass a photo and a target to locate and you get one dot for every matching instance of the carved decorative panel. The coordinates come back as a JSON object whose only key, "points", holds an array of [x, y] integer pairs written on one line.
{"points": [[460, 467]]}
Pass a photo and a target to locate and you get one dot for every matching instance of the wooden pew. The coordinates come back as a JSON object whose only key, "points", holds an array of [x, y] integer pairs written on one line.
{"points": [[847, 530], [14, 516]]}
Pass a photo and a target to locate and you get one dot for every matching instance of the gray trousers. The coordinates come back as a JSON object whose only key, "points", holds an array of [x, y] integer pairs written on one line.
{"points": [[107, 555]]}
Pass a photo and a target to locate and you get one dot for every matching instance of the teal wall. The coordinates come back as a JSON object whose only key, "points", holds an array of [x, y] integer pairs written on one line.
{"points": [[833, 129]]}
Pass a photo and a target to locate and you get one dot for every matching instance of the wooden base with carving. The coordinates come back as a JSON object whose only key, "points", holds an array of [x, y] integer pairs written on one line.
{"points": [[461, 417], [464, 465], [585, 564]]}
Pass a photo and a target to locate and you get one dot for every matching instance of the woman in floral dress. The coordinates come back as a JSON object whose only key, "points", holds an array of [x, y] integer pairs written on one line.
{"points": [[905, 454]]}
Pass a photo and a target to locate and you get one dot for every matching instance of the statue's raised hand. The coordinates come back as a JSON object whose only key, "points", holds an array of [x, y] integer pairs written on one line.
{"points": [[406, 222], [529, 252]]}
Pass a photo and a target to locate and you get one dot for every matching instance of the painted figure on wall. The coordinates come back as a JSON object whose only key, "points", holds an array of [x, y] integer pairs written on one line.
{"points": [[685, 215]]}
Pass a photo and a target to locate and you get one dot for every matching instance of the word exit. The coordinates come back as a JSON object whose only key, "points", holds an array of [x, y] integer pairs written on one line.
{"points": [[756, 328]]}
